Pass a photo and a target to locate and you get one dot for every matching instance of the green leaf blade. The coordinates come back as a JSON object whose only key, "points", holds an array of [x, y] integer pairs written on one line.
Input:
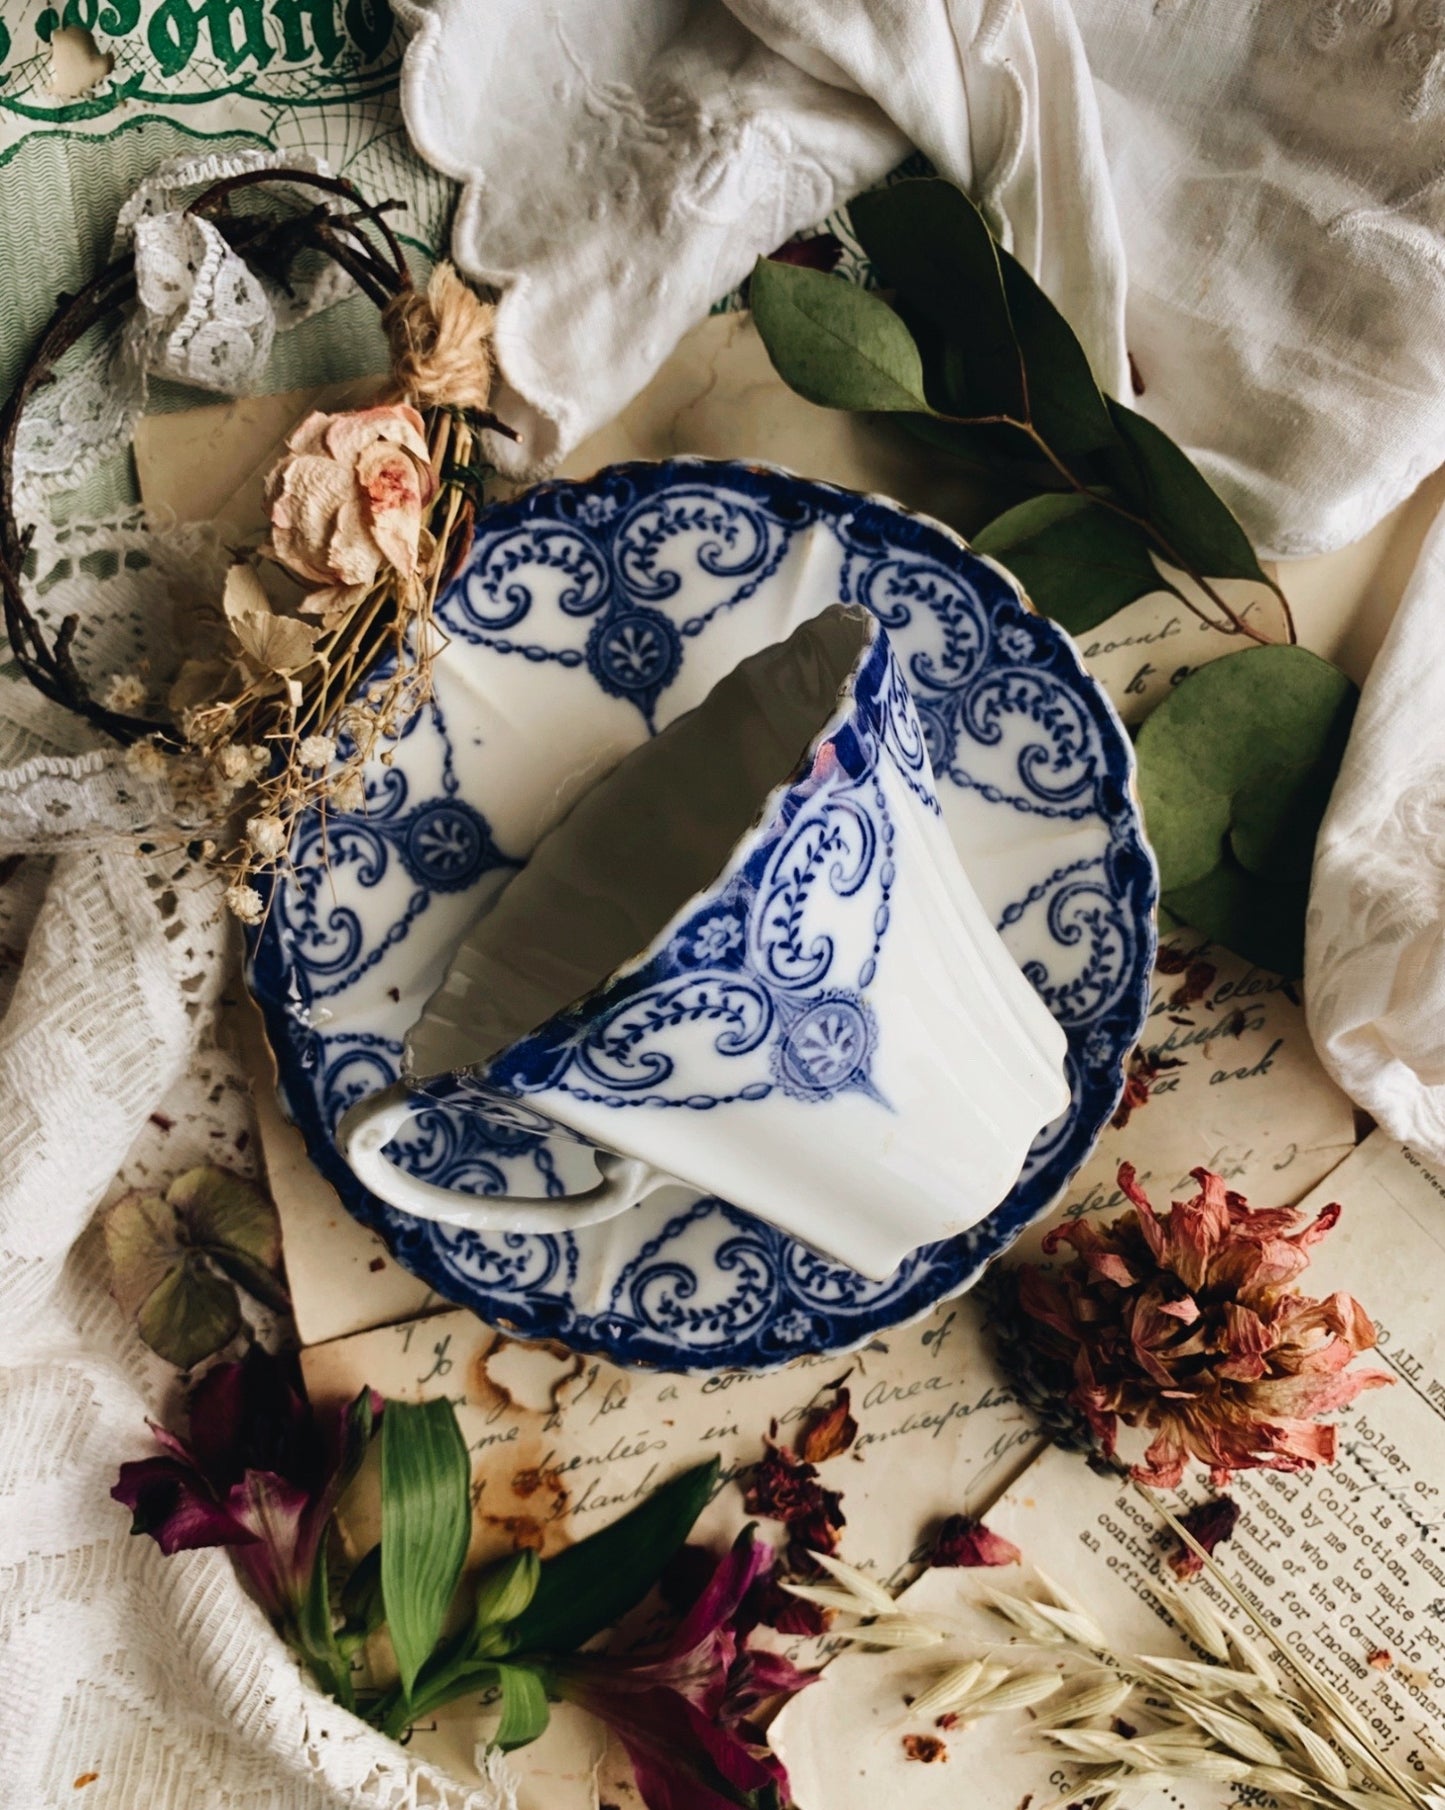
{"points": [[1076, 561], [587, 1587], [1235, 772], [1161, 482], [928, 240], [524, 1707], [426, 1520], [834, 343], [1065, 402]]}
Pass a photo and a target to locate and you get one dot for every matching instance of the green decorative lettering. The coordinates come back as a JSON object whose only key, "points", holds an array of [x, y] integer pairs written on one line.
{"points": [[120, 17], [4, 42], [369, 25], [291, 15], [46, 27], [172, 35], [82, 13], [220, 15]]}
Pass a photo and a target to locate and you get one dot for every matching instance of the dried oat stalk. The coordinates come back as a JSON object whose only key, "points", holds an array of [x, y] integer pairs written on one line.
{"points": [[1128, 1723]]}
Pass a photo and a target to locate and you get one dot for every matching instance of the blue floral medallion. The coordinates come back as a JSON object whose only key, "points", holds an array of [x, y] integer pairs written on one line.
{"points": [[588, 616]]}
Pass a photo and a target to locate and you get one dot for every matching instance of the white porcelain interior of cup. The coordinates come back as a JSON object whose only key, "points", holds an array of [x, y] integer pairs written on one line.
{"points": [[602, 886]]}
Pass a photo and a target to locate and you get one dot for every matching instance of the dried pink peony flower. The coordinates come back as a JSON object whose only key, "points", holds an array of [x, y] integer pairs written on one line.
{"points": [[348, 499], [1190, 1324]]}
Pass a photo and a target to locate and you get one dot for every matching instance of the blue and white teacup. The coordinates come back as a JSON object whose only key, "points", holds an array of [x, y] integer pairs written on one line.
{"points": [[748, 961]]}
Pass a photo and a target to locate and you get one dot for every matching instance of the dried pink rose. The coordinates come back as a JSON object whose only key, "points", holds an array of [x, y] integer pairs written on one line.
{"points": [[1190, 1324], [349, 499]]}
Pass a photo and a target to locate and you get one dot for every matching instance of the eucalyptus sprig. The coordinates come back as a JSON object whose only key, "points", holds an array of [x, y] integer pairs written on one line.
{"points": [[971, 352], [967, 351]]}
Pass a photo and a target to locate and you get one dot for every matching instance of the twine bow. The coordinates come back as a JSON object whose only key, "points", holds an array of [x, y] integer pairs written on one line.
{"points": [[440, 343]]}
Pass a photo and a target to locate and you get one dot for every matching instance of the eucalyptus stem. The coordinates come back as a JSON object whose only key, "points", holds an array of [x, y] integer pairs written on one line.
{"points": [[1236, 625]]}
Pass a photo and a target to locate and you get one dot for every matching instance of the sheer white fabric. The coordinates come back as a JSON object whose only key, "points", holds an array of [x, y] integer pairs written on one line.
{"points": [[1375, 954]]}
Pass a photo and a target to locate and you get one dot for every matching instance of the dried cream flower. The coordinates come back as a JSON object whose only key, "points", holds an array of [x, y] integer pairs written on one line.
{"points": [[146, 761], [349, 793], [240, 764], [348, 500], [245, 903], [267, 835], [125, 693], [316, 751]]}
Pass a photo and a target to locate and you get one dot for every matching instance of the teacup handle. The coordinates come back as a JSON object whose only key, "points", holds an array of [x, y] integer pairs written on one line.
{"points": [[366, 1128]]}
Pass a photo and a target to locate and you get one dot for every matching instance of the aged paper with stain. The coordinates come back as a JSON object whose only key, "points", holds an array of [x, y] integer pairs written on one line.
{"points": [[1225, 1078], [562, 1445], [1345, 1569]]}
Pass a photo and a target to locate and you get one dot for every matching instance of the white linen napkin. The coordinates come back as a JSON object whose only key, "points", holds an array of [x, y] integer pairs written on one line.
{"points": [[624, 165], [1375, 948], [1267, 171]]}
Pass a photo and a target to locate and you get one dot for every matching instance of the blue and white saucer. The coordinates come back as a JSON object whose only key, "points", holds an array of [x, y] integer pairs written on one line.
{"points": [[589, 615]]}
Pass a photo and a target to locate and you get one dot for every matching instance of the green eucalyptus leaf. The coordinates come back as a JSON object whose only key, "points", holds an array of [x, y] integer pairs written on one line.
{"points": [[1065, 403], [834, 343], [587, 1587], [1076, 561], [1235, 770], [1000, 453], [191, 1313], [926, 239], [235, 1224], [524, 1707], [1161, 483], [426, 1522]]}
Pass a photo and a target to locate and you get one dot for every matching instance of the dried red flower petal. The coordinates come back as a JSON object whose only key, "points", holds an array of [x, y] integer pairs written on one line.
{"points": [[963, 1541], [1199, 977], [1190, 1324], [786, 1488], [927, 1748], [828, 1431], [1145, 1068], [774, 1607], [1211, 1523]]}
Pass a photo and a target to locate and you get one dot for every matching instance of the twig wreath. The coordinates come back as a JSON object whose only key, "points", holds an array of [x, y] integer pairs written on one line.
{"points": [[371, 511]]}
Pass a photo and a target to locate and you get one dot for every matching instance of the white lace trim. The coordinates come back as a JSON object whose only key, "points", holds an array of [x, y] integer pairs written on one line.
{"points": [[202, 317]]}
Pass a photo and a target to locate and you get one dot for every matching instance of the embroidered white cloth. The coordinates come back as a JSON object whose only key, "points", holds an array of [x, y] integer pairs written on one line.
{"points": [[1266, 172]]}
